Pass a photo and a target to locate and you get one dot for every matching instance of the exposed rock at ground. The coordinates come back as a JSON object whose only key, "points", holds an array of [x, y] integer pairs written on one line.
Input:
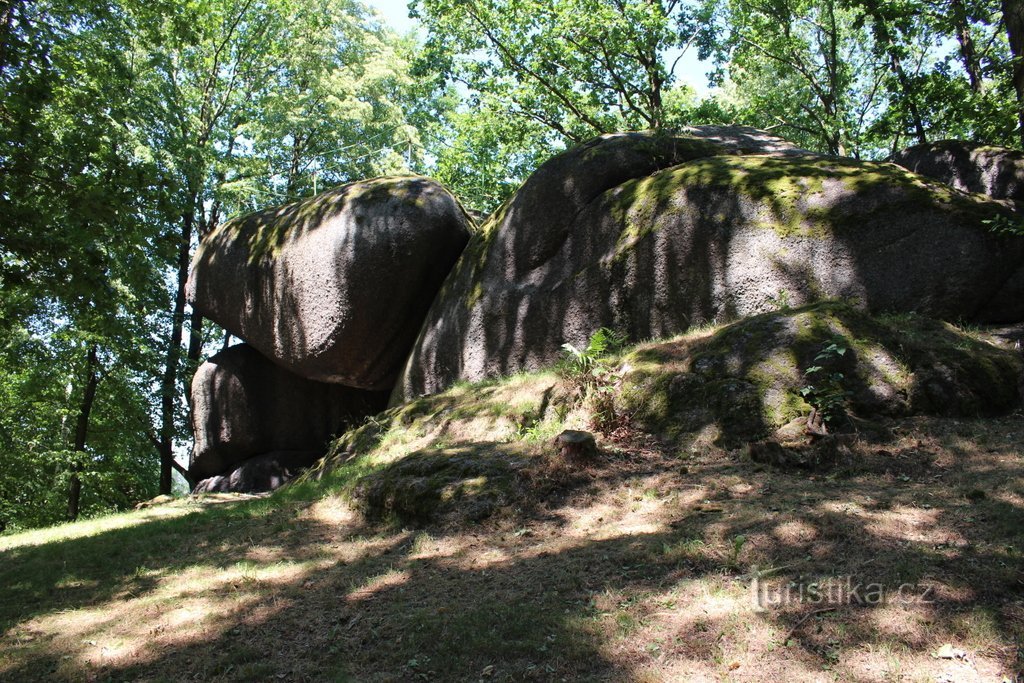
{"points": [[468, 482], [755, 379], [650, 235], [334, 288], [576, 446], [262, 473], [244, 405], [995, 171]]}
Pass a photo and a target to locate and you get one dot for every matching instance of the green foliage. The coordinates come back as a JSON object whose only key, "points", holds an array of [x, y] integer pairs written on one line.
{"points": [[825, 390], [735, 548], [592, 375], [866, 77], [128, 130], [1004, 225]]}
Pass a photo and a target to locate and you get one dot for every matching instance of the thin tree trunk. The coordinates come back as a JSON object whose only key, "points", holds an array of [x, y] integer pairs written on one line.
{"points": [[968, 55], [887, 42], [195, 341], [1013, 16], [168, 386], [82, 430], [195, 338]]}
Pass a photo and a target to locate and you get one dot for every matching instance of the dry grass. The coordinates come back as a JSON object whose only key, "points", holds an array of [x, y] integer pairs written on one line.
{"points": [[638, 568]]}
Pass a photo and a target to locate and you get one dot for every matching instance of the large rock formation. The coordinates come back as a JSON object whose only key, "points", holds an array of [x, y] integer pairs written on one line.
{"points": [[243, 405], [995, 171], [651, 235], [333, 288]]}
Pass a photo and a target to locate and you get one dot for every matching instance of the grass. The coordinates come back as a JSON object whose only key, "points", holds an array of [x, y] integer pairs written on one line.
{"points": [[639, 566]]}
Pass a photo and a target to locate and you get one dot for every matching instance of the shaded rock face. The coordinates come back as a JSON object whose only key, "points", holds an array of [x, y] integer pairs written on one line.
{"points": [[333, 288], [243, 405], [995, 171], [262, 473], [685, 232]]}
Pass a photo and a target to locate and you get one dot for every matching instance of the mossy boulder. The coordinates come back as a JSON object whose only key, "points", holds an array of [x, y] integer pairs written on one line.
{"points": [[751, 378], [333, 288], [468, 482], [650, 235], [970, 167], [745, 140]]}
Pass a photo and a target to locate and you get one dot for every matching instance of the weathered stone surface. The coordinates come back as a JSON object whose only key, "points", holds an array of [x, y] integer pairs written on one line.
{"points": [[576, 446], [333, 288], [244, 405], [746, 140], [682, 235], [262, 473], [995, 171]]}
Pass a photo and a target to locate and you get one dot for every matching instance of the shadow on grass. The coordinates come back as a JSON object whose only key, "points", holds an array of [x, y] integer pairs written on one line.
{"points": [[284, 590]]}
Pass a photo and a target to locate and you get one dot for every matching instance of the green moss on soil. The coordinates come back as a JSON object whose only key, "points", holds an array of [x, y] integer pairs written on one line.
{"points": [[468, 480], [747, 377]]}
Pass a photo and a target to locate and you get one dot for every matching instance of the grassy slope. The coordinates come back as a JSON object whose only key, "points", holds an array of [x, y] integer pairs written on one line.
{"points": [[635, 567]]}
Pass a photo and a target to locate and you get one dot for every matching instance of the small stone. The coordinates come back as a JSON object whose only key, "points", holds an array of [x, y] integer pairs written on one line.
{"points": [[576, 446]]}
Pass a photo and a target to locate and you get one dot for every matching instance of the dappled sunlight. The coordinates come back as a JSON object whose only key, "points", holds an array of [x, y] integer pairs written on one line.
{"points": [[91, 527], [903, 523], [795, 533], [374, 585], [638, 568]]}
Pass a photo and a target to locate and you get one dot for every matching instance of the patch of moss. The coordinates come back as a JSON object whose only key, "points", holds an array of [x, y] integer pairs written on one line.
{"points": [[472, 481], [747, 377], [266, 231], [791, 190]]}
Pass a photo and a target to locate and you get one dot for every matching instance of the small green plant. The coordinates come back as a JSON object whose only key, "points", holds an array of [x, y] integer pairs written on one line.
{"points": [[592, 377], [734, 552], [585, 365], [1004, 225], [781, 301], [824, 391]]}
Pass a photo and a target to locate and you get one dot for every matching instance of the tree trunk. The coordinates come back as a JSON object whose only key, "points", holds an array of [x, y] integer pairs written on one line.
{"points": [[82, 430], [168, 385], [195, 337], [968, 55], [1013, 16], [887, 43]]}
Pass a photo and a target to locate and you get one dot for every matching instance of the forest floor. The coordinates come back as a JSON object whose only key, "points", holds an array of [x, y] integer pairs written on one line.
{"points": [[644, 565]]}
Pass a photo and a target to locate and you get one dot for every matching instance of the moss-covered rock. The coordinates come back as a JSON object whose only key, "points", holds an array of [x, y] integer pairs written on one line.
{"points": [[652, 235], [750, 378], [335, 287], [468, 482]]}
